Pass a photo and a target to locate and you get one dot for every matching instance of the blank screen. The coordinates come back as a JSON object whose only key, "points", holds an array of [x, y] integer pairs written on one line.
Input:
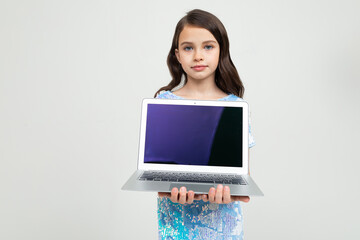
{"points": [[194, 135]]}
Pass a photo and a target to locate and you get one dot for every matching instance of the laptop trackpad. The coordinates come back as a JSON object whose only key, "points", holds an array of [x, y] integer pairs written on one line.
{"points": [[197, 188]]}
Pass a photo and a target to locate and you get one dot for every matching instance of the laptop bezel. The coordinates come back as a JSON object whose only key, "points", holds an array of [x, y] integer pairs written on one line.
{"points": [[193, 168]]}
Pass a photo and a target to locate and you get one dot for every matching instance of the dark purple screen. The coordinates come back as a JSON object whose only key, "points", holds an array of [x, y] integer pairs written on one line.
{"points": [[193, 135]]}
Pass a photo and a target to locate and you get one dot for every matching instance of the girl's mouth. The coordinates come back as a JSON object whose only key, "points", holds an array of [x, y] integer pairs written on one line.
{"points": [[199, 67]]}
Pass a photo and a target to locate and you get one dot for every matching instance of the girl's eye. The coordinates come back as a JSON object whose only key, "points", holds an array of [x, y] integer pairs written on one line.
{"points": [[187, 48], [208, 47]]}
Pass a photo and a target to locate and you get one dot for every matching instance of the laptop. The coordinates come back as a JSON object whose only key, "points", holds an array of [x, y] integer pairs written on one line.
{"points": [[193, 143]]}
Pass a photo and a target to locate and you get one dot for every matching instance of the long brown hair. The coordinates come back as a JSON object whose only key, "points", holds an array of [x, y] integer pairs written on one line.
{"points": [[226, 75]]}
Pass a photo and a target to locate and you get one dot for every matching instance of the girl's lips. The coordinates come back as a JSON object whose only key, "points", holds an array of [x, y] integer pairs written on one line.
{"points": [[199, 67]]}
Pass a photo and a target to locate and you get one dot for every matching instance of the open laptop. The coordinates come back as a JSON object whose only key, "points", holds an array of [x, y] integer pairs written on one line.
{"points": [[193, 143]]}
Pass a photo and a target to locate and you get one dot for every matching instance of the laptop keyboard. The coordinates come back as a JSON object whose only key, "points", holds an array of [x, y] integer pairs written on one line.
{"points": [[192, 177]]}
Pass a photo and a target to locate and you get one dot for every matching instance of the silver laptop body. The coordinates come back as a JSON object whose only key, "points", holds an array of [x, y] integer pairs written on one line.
{"points": [[193, 143]]}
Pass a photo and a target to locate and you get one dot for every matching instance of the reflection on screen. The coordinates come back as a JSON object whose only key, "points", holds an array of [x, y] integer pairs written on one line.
{"points": [[194, 135]]}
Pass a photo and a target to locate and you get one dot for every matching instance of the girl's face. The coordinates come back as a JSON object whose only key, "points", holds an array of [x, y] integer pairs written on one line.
{"points": [[198, 53]]}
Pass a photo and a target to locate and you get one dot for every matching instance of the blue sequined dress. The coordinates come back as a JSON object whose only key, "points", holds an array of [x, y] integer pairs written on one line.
{"points": [[200, 220]]}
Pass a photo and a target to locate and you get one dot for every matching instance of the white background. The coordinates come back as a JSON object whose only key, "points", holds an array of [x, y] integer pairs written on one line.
{"points": [[72, 76]]}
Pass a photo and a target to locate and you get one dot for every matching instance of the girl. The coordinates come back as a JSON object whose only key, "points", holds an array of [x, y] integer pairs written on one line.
{"points": [[200, 54]]}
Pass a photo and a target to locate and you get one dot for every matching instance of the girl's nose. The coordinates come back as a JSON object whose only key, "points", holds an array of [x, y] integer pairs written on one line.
{"points": [[198, 56]]}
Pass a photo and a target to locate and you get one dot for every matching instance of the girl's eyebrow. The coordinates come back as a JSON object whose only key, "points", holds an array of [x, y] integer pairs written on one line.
{"points": [[205, 42]]}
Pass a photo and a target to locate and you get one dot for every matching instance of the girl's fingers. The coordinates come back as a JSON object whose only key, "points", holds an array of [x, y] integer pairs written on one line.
{"points": [[205, 198], [197, 197], [240, 198], [219, 194], [174, 195], [212, 195], [164, 194], [190, 197], [182, 198], [226, 195]]}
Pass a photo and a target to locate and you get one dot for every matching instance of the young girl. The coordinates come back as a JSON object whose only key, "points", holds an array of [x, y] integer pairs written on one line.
{"points": [[200, 54]]}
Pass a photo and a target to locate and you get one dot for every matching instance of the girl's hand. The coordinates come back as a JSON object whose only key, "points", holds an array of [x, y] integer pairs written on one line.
{"points": [[220, 195], [181, 196]]}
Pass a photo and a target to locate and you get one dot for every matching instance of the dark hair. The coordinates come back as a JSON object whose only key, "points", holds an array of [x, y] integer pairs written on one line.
{"points": [[226, 75]]}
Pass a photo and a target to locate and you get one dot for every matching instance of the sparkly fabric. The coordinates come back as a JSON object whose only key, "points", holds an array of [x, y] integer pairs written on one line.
{"points": [[200, 220]]}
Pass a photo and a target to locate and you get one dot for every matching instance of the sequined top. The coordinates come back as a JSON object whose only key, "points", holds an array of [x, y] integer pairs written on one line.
{"points": [[200, 220]]}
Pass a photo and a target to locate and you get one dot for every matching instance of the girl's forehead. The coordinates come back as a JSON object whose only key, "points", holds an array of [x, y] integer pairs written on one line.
{"points": [[195, 34]]}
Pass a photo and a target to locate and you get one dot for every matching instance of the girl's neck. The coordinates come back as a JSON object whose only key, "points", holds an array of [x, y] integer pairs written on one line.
{"points": [[202, 90]]}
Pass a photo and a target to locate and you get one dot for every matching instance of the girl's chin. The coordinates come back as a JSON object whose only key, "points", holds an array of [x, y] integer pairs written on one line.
{"points": [[199, 77]]}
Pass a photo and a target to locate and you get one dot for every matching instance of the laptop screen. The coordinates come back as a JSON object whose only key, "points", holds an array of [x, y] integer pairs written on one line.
{"points": [[194, 135]]}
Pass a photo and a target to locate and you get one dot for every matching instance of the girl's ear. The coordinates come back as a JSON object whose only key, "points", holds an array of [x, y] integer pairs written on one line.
{"points": [[177, 55]]}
